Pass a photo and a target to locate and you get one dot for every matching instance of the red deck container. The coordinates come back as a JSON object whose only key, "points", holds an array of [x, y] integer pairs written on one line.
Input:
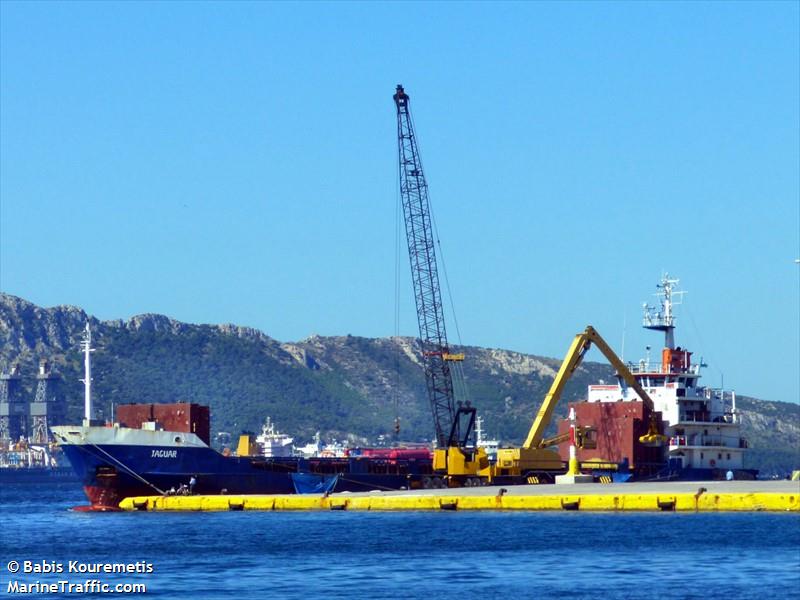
{"points": [[181, 416], [133, 415], [619, 425]]}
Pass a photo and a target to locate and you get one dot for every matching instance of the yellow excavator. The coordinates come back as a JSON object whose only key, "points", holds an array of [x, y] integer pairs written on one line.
{"points": [[534, 456]]}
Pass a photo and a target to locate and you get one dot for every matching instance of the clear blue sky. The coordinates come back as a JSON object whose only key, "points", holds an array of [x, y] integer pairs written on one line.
{"points": [[235, 162]]}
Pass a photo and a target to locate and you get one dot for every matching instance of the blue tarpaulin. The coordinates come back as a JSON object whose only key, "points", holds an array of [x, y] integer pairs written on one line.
{"points": [[311, 483]]}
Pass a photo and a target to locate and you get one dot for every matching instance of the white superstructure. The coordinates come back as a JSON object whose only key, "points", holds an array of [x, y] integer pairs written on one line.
{"points": [[272, 443], [491, 446], [701, 422]]}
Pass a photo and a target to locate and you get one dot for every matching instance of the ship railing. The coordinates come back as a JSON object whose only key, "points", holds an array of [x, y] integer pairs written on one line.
{"points": [[711, 441], [706, 441], [699, 416], [644, 366], [704, 416], [727, 396]]}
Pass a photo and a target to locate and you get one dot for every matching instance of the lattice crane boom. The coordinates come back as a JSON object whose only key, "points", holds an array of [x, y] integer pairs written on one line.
{"points": [[436, 356]]}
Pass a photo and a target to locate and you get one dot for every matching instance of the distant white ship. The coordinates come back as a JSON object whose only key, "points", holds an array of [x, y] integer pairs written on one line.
{"points": [[490, 446], [272, 443], [319, 448]]}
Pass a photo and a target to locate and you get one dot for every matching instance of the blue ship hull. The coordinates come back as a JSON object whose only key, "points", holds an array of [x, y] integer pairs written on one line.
{"points": [[112, 472]]}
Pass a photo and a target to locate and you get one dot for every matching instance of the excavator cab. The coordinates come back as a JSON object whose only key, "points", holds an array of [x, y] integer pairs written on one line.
{"points": [[461, 459], [586, 437]]}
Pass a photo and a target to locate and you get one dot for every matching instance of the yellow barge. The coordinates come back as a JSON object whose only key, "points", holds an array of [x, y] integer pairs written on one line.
{"points": [[685, 497]]}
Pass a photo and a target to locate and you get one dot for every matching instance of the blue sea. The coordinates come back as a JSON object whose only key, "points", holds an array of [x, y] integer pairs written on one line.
{"points": [[669, 556]]}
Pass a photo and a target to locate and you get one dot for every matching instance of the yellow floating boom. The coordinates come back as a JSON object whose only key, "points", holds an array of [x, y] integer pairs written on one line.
{"points": [[682, 501]]}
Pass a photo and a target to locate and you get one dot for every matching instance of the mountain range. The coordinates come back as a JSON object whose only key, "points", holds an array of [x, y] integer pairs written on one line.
{"points": [[346, 387]]}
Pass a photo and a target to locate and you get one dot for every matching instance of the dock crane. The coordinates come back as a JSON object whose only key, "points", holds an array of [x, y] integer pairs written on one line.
{"points": [[455, 458]]}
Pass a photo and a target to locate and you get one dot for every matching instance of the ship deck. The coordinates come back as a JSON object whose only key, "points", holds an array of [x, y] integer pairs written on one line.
{"points": [[713, 496]]}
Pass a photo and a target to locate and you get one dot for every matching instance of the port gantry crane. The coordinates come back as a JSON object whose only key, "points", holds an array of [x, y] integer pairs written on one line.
{"points": [[455, 456]]}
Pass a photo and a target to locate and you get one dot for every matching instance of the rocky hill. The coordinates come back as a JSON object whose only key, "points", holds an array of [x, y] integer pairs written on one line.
{"points": [[345, 386]]}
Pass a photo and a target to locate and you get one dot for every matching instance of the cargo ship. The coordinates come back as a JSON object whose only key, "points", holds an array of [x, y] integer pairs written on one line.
{"points": [[165, 449], [702, 423], [23, 463], [117, 461]]}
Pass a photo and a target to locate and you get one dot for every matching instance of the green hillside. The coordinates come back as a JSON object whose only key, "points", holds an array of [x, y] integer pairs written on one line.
{"points": [[346, 387]]}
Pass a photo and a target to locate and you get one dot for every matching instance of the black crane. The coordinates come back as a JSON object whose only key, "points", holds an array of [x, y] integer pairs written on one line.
{"points": [[453, 421]]}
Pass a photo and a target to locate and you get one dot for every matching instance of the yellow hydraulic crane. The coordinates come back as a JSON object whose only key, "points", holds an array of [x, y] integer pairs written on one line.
{"points": [[533, 455]]}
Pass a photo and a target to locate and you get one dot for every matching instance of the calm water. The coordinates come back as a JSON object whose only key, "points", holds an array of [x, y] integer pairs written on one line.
{"points": [[414, 555]]}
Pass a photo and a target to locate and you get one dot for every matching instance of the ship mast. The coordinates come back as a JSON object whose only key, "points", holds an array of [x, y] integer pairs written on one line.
{"points": [[86, 346], [661, 318]]}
